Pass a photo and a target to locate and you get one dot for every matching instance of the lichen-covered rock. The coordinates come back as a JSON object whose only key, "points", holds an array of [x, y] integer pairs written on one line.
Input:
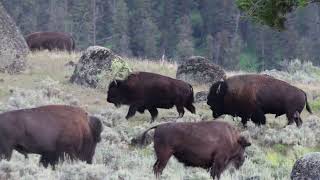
{"points": [[201, 96], [13, 47], [96, 65], [307, 167], [199, 70]]}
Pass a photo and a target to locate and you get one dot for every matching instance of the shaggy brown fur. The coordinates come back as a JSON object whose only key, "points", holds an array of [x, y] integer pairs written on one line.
{"points": [[253, 96], [51, 131], [211, 145], [144, 90], [50, 41]]}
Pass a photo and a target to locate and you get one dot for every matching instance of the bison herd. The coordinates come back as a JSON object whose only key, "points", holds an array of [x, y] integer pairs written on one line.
{"points": [[57, 131]]}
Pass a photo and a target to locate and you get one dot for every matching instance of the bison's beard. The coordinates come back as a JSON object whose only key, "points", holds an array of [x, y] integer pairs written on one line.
{"points": [[117, 105]]}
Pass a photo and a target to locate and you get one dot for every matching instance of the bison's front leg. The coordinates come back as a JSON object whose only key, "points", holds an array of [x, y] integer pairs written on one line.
{"points": [[49, 158], [154, 113], [219, 165], [132, 111], [244, 121], [6, 148], [5, 152], [259, 118]]}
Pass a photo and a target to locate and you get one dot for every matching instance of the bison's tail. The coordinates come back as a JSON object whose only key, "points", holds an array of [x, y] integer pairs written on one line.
{"points": [[73, 46], [191, 97], [307, 104], [141, 141], [96, 128]]}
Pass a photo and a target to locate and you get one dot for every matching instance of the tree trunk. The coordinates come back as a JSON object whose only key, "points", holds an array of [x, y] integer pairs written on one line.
{"points": [[94, 19]]}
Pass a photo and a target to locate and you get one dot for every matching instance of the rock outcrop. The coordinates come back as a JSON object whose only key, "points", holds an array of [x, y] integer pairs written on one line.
{"points": [[96, 65], [307, 167], [201, 96], [13, 47], [199, 70]]}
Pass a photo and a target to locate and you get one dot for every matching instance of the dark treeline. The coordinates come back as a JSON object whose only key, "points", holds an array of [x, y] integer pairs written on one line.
{"points": [[175, 29]]}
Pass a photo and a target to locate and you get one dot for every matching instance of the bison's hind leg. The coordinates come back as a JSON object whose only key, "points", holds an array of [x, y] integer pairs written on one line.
{"points": [[49, 159], [154, 114], [191, 108], [180, 110], [294, 117]]}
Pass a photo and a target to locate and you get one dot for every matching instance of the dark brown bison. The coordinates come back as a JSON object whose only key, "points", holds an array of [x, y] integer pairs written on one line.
{"points": [[253, 96], [143, 90], [51, 131], [50, 41], [211, 145]]}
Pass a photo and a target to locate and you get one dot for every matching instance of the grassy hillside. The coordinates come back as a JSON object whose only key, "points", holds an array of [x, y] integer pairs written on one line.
{"points": [[45, 81]]}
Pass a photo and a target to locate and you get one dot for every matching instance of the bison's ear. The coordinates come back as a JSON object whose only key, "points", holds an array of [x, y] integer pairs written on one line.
{"points": [[243, 142], [222, 88], [118, 83], [115, 83]]}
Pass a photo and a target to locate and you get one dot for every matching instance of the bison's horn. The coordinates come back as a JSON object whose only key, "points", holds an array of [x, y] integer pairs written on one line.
{"points": [[218, 89]]}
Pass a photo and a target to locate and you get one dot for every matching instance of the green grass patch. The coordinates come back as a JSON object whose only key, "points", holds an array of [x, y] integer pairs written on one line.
{"points": [[315, 104], [280, 155], [248, 62]]}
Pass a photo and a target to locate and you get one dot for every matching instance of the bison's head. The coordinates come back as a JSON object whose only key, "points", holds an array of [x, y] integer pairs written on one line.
{"points": [[114, 93], [239, 157], [96, 128], [216, 98]]}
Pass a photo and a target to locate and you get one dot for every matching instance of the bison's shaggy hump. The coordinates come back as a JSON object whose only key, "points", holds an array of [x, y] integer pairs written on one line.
{"points": [[50, 131], [50, 41], [202, 144], [253, 96]]}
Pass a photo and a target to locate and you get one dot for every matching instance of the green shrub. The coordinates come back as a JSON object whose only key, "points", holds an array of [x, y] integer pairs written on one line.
{"points": [[281, 148], [120, 68], [315, 105]]}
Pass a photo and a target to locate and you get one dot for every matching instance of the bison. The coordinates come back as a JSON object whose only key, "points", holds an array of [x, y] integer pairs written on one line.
{"points": [[211, 145], [50, 41], [144, 90], [252, 96], [51, 131]]}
